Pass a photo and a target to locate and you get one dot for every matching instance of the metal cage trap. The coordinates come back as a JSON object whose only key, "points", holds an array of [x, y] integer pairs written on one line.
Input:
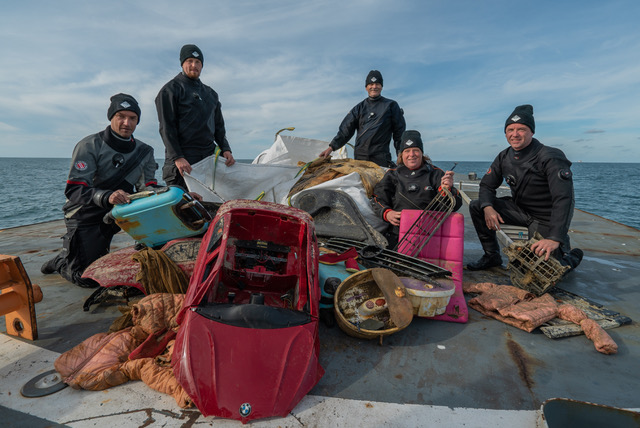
{"points": [[531, 272], [427, 223]]}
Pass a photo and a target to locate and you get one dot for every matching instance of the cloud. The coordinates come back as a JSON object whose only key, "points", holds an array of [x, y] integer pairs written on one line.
{"points": [[456, 68], [5, 127]]}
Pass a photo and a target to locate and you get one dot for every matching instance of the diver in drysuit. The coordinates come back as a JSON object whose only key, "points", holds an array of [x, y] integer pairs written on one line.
{"points": [[376, 119], [105, 169], [542, 197], [412, 185]]}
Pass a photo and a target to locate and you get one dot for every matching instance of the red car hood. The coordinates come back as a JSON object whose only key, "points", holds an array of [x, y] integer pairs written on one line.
{"points": [[245, 373]]}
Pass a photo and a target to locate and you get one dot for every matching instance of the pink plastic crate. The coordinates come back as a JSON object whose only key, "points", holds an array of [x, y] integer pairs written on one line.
{"points": [[445, 249]]}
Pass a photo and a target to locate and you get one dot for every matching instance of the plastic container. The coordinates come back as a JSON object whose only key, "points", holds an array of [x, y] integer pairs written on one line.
{"points": [[160, 217], [429, 299]]}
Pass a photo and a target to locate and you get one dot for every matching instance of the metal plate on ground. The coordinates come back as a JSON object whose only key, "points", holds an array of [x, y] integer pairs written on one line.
{"points": [[44, 384]]}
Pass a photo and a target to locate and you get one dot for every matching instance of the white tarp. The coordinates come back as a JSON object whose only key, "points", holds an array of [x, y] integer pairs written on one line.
{"points": [[288, 150], [274, 171], [351, 184], [216, 182]]}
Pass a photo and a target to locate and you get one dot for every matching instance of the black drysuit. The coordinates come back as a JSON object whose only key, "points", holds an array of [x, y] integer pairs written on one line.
{"points": [[97, 167], [191, 124], [542, 197], [404, 189], [376, 120]]}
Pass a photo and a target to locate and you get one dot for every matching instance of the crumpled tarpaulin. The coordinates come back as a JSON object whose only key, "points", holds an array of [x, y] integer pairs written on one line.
{"points": [[512, 305], [600, 338], [103, 360], [322, 170], [217, 183], [289, 150]]}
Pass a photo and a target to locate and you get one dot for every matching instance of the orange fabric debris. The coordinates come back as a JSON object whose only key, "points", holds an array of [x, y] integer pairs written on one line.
{"points": [[154, 345], [157, 312], [523, 310], [512, 305], [102, 360], [571, 313], [158, 378], [87, 365], [600, 338]]}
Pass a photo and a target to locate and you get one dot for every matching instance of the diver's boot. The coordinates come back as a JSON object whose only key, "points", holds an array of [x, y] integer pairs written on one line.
{"points": [[49, 267], [572, 258], [87, 283], [77, 279], [488, 260]]}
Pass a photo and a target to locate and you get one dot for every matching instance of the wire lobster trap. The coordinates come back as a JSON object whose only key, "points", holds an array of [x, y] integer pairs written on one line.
{"points": [[531, 272], [427, 223]]}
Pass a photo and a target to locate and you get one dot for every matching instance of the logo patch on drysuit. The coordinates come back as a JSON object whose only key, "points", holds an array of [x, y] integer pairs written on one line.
{"points": [[565, 174], [117, 160], [489, 170], [413, 188], [80, 165]]}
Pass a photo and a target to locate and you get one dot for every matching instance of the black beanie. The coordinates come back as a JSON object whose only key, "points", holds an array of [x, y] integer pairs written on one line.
{"points": [[123, 102], [522, 114], [374, 76], [190, 51], [410, 139]]}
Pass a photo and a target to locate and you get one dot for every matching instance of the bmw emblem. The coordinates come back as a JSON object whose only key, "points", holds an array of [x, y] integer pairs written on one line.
{"points": [[245, 410]]}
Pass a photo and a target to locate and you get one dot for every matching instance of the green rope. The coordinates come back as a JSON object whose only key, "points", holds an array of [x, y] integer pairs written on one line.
{"points": [[215, 165]]}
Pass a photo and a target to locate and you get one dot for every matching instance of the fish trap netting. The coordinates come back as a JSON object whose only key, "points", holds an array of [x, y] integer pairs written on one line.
{"points": [[531, 272]]}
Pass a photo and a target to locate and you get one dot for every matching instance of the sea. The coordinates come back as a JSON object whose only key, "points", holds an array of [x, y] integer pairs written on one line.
{"points": [[33, 188]]}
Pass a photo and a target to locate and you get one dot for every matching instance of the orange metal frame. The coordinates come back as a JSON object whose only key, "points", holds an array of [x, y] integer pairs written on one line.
{"points": [[18, 298]]}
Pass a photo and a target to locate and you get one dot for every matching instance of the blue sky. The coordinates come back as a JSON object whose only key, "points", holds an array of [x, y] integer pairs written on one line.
{"points": [[457, 68]]}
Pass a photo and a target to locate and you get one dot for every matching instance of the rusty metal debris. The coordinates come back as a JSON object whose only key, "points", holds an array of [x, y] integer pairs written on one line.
{"points": [[530, 271], [372, 256], [427, 223]]}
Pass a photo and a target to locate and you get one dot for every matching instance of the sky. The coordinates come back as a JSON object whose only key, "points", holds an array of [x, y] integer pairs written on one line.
{"points": [[456, 68]]}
